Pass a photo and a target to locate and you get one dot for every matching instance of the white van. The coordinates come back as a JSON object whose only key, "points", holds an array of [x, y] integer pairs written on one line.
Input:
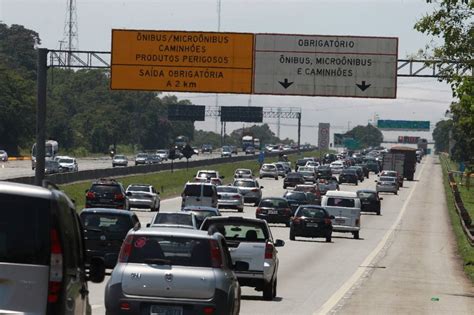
{"points": [[345, 207], [199, 194]]}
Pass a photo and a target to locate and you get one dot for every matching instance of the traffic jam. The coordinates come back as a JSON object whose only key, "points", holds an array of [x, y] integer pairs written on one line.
{"points": [[196, 260]]}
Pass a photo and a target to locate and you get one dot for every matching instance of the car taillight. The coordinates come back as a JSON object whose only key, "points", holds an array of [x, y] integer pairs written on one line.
{"points": [[119, 197], [357, 222], [259, 210], [269, 251], [296, 220], [125, 306], [255, 190], [208, 310], [236, 196], [126, 249], [287, 210], [327, 221], [216, 257], [90, 195], [56, 268]]}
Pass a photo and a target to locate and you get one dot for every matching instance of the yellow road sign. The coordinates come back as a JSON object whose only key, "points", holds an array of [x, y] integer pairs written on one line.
{"points": [[182, 61]]}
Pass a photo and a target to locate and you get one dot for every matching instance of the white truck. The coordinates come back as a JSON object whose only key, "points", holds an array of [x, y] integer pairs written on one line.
{"points": [[394, 162], [345, 207]]}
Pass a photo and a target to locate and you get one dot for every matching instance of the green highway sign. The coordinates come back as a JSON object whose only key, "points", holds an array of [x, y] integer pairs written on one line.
{"points": [[420, 125]]}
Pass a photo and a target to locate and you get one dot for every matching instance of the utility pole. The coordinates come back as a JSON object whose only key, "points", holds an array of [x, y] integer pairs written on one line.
{"points": [[41, 115], [218, 29], [71, 35]]}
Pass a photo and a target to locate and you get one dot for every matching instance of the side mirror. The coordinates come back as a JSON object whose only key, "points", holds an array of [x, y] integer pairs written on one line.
{"points": [[96, 270], [128, 193], [241, 266], [331, 217], [148, 224], [279, 243], [380, 198], [261, 187], [376, 181]]}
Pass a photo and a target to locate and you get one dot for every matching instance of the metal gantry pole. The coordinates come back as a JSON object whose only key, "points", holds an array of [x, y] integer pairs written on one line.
{"points": [[299, 131], [41, 115]]}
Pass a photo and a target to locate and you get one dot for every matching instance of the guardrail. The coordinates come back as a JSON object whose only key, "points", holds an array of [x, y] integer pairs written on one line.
{"points": [[71, 177], [464, 217]]}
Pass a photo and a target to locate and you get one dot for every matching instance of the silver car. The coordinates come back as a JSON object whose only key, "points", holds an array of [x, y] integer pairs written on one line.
{"points": [[143, 196], [174, 271], [3, 155], [243, 173], [163, 154], [230, 197], [250, 190], [387, 184], [119, 160], [68, 164], [269, 170]]}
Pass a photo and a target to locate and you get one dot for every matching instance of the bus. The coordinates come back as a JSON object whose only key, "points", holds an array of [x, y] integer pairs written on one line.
{"points": [[51, 150]]}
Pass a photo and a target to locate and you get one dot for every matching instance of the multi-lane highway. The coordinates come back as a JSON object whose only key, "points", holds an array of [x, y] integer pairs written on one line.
{"points": [[317, 277]]}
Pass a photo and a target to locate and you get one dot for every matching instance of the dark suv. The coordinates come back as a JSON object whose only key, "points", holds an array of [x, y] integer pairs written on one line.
{"points": [[107, 193], [42, 253]]}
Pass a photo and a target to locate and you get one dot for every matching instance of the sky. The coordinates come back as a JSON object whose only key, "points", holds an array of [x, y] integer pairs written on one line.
{"points": [[417, 98]]}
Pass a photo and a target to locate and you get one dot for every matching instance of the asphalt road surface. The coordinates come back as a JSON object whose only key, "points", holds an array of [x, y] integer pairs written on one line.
{"points": [[12, 169], [316, 277]]}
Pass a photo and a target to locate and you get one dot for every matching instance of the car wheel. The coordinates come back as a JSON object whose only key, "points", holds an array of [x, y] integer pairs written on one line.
{"points": [[240, 210], [113, 165], [357, 183], [378, 212], [356, 235], [287, 224], [275, 288], [284, 186], [292, 236], [276, 178], [260, 177], [268, 291], [396, 193], [328, 238]]}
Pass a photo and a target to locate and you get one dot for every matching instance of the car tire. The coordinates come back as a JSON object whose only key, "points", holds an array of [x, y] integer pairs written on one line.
{"points": [[240, 209], [284, 186], [356, 235], [357, 183], [328, 238], [113, 165], [292, 236], [268, 289], [378, 212], [260, 177], [276, 178], [396, 193], [287, 224], [275, 284]]}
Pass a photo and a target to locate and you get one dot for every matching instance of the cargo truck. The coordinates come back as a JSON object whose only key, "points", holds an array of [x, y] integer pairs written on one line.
{"points": [[409, 160]]}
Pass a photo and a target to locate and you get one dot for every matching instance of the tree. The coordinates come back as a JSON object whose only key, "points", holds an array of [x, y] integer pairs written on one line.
{"points": [[366, 136], [441, 135], [452, 22]]}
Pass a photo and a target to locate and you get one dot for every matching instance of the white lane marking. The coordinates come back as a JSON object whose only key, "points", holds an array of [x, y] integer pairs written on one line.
{"points": [[342, 291]]}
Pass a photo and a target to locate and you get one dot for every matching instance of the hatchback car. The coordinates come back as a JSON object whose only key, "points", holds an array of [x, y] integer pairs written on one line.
{"points": [[349, 176], [336, 167], [104, 232], [142, 159], [51, 167], [143, 196], [174, 219], [250, 190], [293, 179], [281, 169], [243, 173], [249, 150], [163, 154], [68, 164], [42, 259], [119, 160], [226, 151], [311, 221], [230, 197], [201, 213], [295, 199], [107, 193], [269, 170], [360, 172], [308, 173], [387, 184], [274, 210], [174, 271], [369, 201]]}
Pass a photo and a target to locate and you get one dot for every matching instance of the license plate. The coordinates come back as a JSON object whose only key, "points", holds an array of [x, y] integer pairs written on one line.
{"points": [[365, 202], [312, 225], [104, 200], [340, 221], [272, 212], [166, 310]]}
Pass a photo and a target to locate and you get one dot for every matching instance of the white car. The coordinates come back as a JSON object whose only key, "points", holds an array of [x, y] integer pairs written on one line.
{"points": [[3, 155], [68, 164], [143, 196], [336, 167], [269, 170], [312, 164], [243, 173]]}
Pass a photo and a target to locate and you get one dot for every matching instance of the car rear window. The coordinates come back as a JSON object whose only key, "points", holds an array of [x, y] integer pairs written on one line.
{"points": [[169, 250], [243, 172], [268, 167], [242, 231], [173, 218], [295, 195], [341, 202], [207, 174], [294, 175], [387, 179], [192, 190], [225, 189], [245, 183], [207, 191], [310, 213], [274, 203], [24, 230], [139, 188], [106, 222], [115, 189]]}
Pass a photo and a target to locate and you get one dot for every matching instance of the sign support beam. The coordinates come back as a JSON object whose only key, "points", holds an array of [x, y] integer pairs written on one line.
{"points": [[42, 73]]}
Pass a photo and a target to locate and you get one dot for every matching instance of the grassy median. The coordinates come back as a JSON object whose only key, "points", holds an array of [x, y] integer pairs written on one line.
{"points": [[171, 183], [466, 251]]}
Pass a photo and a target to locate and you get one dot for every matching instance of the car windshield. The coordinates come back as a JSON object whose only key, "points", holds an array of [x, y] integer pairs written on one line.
{"points": [[192, 190], [106, 189], [279, 166], [226, 149], [295, 196], [242, 231], [387, 179], [294, 175], [67, 161], [173, 218], [120, 157], [268, 167], [367, 195], [310, 212], [391, 174], [274, 203], [106, 222], [351, 171], [341, 202], [142, 155], [305, 169], [227, 189], [161, 152], [245, 183], [24, 230], [305, 188], [170, 250], [139, 188]]}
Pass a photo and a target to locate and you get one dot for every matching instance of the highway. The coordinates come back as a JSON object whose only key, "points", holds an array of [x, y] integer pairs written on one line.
{"points": [[13, 169], [316, 277]]}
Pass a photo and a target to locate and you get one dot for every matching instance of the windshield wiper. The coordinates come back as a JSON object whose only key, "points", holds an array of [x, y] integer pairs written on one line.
{"points": [[94, 229]]}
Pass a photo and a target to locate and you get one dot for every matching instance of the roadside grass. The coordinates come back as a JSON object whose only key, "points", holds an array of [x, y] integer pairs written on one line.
{"points": [[466, 251], [170, 184]]}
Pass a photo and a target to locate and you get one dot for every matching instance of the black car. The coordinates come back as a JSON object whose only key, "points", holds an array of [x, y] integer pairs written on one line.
{"points": [[359, 171], [104, 232], [293, 179], [206, 148], [107, 193], [369, 201], [323, 172], [295, 199], [373, 166], [349, 176], [274, 210], [249, 150], [311, 221]]}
